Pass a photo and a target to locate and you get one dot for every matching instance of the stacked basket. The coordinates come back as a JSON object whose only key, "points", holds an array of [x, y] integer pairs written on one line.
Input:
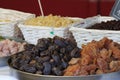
{"points": [[83, 35], [9, 20]]}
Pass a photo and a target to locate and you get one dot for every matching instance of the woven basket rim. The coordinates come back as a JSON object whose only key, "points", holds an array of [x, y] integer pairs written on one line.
{"points": [[39, 27], [11, 22], [93, 30], [73, 28], [49, 27]]}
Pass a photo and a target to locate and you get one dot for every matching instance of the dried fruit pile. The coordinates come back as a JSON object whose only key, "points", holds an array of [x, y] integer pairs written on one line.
{"points": [[50, 21], [49, 57], [97, 57], [109, 25], [10, 47]]}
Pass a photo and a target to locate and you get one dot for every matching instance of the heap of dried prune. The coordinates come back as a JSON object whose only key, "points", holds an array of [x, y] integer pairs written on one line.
{"points": [[109, 25], [49, 57]]}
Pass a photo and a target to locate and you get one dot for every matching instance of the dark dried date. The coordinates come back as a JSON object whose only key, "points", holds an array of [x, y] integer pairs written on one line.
{"points": [[49, 57]]}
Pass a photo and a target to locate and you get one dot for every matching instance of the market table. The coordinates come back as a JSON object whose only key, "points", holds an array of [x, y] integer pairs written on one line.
{"points": [[5, 73]]}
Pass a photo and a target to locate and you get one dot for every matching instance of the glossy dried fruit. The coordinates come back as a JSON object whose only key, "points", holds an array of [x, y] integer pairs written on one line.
{"points": [[29, 46], [57, 71], [49, 57], [30, 69], [109, 25], [64, 64], [75, 52], [56, 58], [47, 68]]}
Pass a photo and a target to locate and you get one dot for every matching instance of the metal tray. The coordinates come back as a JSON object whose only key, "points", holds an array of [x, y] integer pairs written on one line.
{"points": [[3, 61], [29, 76]]}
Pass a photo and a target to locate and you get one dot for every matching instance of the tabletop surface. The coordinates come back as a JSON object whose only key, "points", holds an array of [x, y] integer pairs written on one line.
{"points": [[5, 74]]}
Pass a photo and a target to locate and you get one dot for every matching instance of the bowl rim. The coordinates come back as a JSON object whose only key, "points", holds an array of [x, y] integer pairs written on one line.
{"points": [[53, 76]]}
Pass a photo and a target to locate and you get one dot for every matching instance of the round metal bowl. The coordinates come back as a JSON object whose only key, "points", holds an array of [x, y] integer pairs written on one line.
{"points": [[3, 61], [29, 76]]}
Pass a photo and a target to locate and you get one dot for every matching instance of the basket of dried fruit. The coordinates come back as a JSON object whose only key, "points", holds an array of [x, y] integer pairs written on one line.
{"points": [[8, 47], [60, 59], [44, 27], [96, 28], [9, 20]]}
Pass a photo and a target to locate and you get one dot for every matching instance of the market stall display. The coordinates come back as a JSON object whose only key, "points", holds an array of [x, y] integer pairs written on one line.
{"points": [[58, 48]]}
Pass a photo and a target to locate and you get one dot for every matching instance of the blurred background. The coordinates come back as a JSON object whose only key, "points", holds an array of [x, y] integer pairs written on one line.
{"points": [[71, 8]]}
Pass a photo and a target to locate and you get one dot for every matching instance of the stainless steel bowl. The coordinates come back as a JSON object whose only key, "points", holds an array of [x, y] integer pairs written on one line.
{"points": [[29, 76], [3, 61]]}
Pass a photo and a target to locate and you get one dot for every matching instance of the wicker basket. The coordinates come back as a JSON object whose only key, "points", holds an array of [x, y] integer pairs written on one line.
{"points": [[33, 33], [83, 35], [7, 28]]}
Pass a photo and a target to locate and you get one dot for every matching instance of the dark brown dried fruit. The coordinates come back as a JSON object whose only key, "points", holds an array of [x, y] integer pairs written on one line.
{"points": [[39, 72], [57, 71], [28, 46], [60, 43], [39, 66], [47, 68], [64, 64], [56, 58], [109, 25], [75, 52], [30, 69], [48, 57]]}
